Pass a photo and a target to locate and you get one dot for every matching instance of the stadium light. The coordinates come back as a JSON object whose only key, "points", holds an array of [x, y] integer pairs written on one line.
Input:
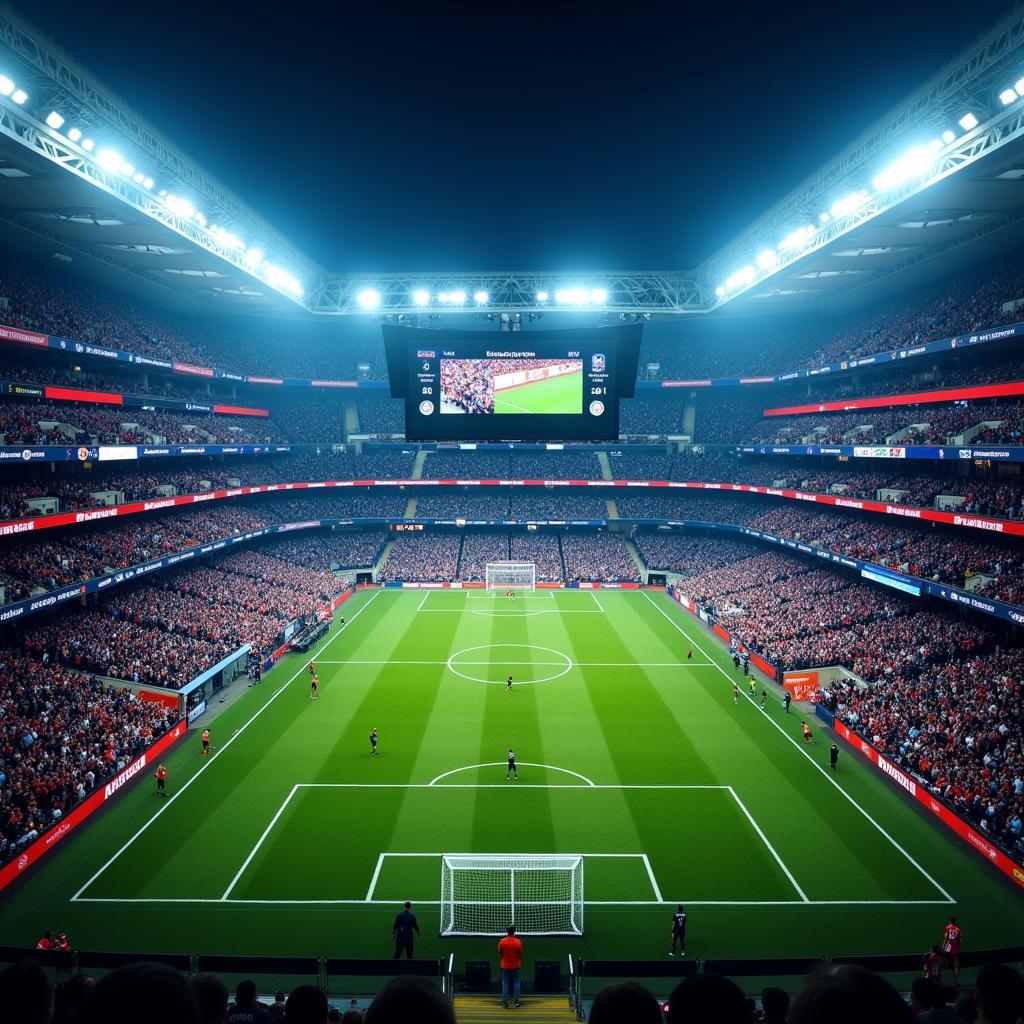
{"points": [[421, 297], [74, 134], [253, 257], [54, 120], [147, 183], [368, 298], [182, 207], [138, 177], [720, 290], [767, 259], [948, 136], [127, 169], [6, 86], [109, 159], [599, 296], [823, 217], [796, 239], [458, 296], [282, 280], [571, 296], [442, 296], [481, 298], [1019, 86], [19, 96], [88, 145], [542, 296], [848, 204], [968, 121], [913, 164], [1007, 96]]}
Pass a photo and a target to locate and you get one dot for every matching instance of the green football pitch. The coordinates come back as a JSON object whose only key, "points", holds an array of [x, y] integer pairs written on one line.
{"points": [[558, 395], [291, 838]]}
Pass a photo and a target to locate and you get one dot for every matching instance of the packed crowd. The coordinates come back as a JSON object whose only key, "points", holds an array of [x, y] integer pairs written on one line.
{"points": [[649, 415], [61, 735], [467, 385], [53, 423], [543, 549], [837, 994], [597, 557], [427, 557], [559, 504], [446, 464]]}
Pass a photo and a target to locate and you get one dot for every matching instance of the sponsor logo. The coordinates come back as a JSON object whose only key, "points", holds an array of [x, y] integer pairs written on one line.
{"points": [[849, 503], [597, 363], [23, 862], [56, 833], [27, 455], [162, 503], [1017, 617], [991, 453], [91, 350], [426, 353], [965, 453], [156, 451], [12, 613], [902, 510], [21, 389], [1018, 874], [98, 513], [28, 337], [988, 850], [978, 524], [25, 527], [900, 778], [120, 779], [83, 454]]}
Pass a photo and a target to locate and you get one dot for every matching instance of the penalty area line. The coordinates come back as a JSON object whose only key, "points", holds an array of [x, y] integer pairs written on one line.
{"points": [[277, 693], [810, 760]]}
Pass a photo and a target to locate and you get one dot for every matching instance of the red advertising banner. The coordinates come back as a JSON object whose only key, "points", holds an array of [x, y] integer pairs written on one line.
{"points": [[25, 337], [167, 699], [79, 395], [802, 685], [49, 839], [912, 398], [196, 371], [967, 832], [239, 410]]}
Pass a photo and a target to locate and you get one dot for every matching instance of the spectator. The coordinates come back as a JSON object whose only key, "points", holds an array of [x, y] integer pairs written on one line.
{"points": [[159, 993], [929, 1003], [247, 1009], [511, 951], [306, 1005], [625, 1002], [849, 995], [774, 1006], [999, 995], [212, 996], [403, 1000], [26, 994], [707, 999]]}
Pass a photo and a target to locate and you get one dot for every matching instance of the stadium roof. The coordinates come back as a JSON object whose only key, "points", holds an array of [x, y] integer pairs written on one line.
{"points": [[935, 184]]}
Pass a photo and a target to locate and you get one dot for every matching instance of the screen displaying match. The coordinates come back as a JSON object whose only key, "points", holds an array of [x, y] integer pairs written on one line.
{"points": [[554, 385]]}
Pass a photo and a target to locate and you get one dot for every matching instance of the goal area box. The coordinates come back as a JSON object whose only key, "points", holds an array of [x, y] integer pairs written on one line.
{"points": [[511, 576], [541, 894]]}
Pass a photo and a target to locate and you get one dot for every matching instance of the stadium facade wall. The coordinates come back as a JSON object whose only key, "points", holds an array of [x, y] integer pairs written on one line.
{"points": [[1013, 869], [99, 796]]}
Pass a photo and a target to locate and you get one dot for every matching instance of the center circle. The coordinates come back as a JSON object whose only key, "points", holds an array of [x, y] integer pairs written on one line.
{"points": [[559, 663]]}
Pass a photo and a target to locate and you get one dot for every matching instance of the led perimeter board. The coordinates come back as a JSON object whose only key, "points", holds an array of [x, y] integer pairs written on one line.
{"points": [[512, 386]]}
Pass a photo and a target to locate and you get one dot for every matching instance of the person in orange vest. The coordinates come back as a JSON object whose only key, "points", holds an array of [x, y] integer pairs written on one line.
{"points": [[206, 742], [161, 780], [511, 950]]}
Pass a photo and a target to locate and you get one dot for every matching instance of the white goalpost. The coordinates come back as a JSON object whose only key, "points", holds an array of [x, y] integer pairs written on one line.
{"points": [[511, 576], [482, 894]]}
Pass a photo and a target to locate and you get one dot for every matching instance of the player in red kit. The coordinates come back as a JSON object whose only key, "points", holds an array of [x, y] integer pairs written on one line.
{"points": [[951, 948]]}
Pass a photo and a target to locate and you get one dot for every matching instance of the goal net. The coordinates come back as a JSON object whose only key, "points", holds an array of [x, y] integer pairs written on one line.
{"points": [[541, 894], [511, 575]]}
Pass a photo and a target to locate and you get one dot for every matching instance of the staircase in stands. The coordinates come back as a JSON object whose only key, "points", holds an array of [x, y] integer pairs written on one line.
{"points": [[485, 1009]]}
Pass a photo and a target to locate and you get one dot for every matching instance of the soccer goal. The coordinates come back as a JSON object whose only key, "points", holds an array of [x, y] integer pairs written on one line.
{"points": [[511, 576], [541, 894]]}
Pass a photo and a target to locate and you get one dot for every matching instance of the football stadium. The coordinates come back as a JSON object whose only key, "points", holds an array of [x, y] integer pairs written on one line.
{"points": [[391, 642]]}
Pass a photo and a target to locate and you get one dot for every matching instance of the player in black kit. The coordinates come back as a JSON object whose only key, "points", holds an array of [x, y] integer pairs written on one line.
{"points": [[512, 772], [678, 931]]}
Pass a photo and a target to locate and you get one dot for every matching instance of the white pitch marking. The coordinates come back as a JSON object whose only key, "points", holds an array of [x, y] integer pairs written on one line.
{"points": [[376, 875], [259, 843], [525, 764], [817, 766], [771, 849], [578, 664], [589, 903], [600, 606], [654, 881], [231, 739], [423, 600]]}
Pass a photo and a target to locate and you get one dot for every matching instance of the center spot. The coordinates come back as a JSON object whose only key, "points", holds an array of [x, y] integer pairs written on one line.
{"points": [[494, 663]]}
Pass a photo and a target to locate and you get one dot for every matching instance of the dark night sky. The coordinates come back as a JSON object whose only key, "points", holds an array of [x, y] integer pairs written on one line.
{"points": [[491, 135]]}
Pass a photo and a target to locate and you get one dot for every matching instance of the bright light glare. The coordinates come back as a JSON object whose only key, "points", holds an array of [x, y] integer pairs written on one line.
{"points": [[913, 164], [481, 298], [147, 183], [1007, 96], [598, 296], [720, 290], [848, 204], [6, 86], [796, 239], [109, 159], [1019, 86], [138, 177], [19, 96], [767, 259], [458, 296], [948, 136], [88, 145], [421, 297], [54, 120], [368, 298], [281, 279], [442, 297], [968, 121], [571, 296], [74, 134], [254, 257], [182, 207], [542, 296], [127, 169]]}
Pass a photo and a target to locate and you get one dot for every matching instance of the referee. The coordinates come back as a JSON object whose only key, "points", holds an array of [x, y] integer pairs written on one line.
{"points": [[401, 931]]}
